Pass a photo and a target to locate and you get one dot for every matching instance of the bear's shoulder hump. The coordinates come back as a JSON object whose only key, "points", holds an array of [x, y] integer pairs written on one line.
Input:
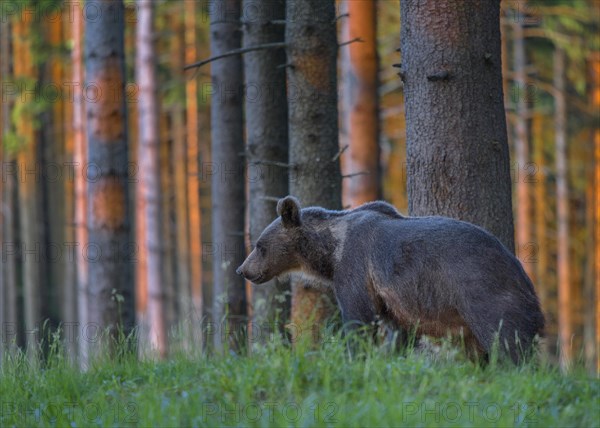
{"points": [[380, 207]]}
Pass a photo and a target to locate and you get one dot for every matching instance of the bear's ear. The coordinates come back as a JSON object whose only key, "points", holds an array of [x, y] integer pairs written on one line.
{"points": [[289, 210]]}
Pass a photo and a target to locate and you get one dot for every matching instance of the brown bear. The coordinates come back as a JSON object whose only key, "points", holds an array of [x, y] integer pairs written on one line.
{"points": [[433, 275]]}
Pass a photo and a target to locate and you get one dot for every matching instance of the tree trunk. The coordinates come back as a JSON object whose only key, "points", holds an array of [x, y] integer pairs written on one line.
{"points": [[523, 223], [596, 102], [193, 172], [4, 77], [313, 130], [7, 207], [181, 178], [457, 151], [360, 101], [79, 159], [69, 261], [539, 253], [565, 322], [110, 249], [149, 176], [228, 181], [266, 146], [28, 187]]}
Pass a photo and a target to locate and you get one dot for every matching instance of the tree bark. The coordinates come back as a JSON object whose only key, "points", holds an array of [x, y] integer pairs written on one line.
{"points": [[457, 151], [596, 102], [313, 130], [565, 322], [149, 176], [28, 188], [228, 181], [181, 178], [521, 140], [79, 159], [193, 188], [360, 103], [540, 251], [110, 252], [266, 146]]}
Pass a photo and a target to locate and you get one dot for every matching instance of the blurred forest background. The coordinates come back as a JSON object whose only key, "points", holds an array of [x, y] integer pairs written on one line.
{"points": [[131, 188]]}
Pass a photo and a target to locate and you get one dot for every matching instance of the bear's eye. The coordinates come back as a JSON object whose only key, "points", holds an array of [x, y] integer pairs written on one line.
{"points": [[261, 250]]}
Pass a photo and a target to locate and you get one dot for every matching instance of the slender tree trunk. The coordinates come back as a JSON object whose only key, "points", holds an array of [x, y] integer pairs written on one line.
{"points": [[28, 187], [8, 296], [168, 225], [540, 253], [562, 200], [4, 77], [181, 178], [523, 223], [596, 220], [193, 173], [266, 146], [360, 100], [313, 130], [228, 181], [457, 151], [79, 159], [149, 177], [589, 306], [69, 260], [111, 256]]}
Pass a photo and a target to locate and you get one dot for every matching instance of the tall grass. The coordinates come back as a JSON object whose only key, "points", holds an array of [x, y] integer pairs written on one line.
{"points": [[274, 384]]}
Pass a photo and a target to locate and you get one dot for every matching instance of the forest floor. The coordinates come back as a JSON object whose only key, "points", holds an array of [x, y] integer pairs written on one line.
{"points": [[276, 385]]}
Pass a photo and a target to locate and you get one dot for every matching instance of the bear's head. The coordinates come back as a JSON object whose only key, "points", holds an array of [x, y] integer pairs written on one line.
{"points": [[275, 252]]}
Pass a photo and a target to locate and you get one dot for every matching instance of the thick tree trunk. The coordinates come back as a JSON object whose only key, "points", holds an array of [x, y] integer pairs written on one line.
{"points": [[360, 103], [110, 250], [565, 322], [149, 176], [313, 130], [193, 188], [266, 146], [228, 181], [457, 151], [521, 140]]}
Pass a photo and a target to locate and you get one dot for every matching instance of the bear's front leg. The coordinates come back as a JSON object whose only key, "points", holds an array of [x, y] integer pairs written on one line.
{"points": [[358, 314]]}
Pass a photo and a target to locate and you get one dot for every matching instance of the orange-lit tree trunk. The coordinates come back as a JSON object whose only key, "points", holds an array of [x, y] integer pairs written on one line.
{"points": [[315, 177], [457, 150], [521, 141], [29, 176], [80, 160], [149, 176], [360, 103], [3, 106], [181, 179], [193, 172], [540, 252], [565, 323], [228, 182], [596, 104], [111, 251], [69, 278], [266, 147]]}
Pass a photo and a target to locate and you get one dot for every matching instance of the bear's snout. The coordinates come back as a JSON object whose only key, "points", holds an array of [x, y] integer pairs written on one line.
{"points": [[239, 271]]}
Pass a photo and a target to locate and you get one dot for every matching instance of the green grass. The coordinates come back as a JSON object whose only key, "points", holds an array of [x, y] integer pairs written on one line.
{"points": [[279, 386]]}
